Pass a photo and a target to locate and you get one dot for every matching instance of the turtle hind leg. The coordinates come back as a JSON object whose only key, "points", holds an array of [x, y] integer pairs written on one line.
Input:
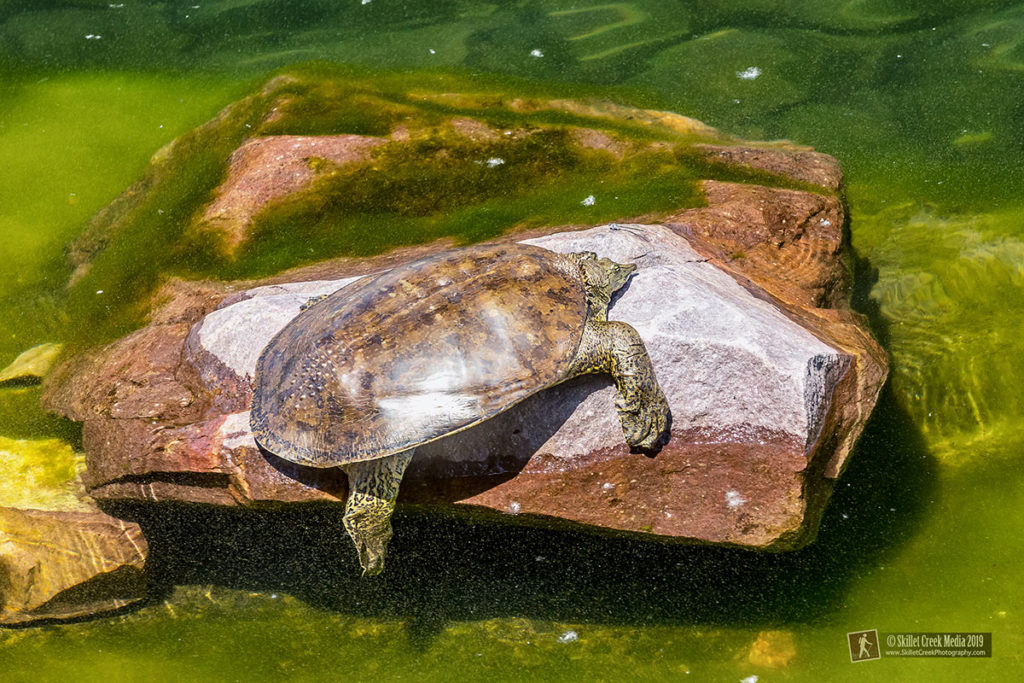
{"points": [[373, 489], [616, 348]]}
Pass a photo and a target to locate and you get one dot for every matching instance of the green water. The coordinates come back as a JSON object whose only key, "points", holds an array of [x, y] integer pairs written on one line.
{"points": [[922, 102]]}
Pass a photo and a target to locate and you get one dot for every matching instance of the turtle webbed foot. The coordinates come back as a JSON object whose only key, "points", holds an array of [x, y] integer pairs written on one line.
{"points": [[373, 488], [644, 428]]}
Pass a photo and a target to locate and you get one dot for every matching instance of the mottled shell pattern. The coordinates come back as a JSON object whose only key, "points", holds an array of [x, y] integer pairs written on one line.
{"points": [[408, 356]]}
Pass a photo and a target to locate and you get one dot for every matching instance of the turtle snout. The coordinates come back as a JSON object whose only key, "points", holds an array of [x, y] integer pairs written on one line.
{"points": [[620, 273]]}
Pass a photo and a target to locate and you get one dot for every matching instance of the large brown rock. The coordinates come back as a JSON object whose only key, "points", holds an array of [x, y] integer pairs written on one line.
{"points": [[768, 387], [741, 297]]}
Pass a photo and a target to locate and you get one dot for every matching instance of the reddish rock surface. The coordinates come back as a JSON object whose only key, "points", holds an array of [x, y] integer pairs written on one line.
{"points": [[801, 164]]}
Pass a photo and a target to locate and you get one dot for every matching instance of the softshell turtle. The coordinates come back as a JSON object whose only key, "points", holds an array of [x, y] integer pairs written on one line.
{"points": [[396, 360]]}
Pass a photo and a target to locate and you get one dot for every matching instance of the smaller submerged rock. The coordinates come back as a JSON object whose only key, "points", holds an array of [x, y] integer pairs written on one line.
{"points": [[60, 556], [31, 365]]}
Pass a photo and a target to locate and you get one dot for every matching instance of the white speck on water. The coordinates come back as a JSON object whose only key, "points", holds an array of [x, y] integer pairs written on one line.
{"points": [[92, 36], [508, 132], [536, 53], [514, 507], [608, 486], [749, 73], [589, 201], [273, 596], [734, 499], [99, 291], [986, 45], [432, 51], [495, 161], [117, 6], [899, 56], [539, 558], [569, 637], [749, 679], [735, 101], [365, 2], [826, 222]]}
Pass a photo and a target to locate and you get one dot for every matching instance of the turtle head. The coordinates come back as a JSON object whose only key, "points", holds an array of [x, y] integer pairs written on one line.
{"points": [[602, 278], [617, 273]]}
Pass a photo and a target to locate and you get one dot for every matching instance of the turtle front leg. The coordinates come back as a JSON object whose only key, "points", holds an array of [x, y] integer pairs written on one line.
{"points": [[616, 348], [372, 491]]}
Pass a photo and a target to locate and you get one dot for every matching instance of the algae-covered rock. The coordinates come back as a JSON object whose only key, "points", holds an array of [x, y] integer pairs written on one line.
{"points": [[318, 164], [772, 649], [60, 556], [41, 474]]}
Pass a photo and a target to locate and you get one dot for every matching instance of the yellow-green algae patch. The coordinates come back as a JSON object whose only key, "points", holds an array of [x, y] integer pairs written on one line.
{"points": [[40, 474]]}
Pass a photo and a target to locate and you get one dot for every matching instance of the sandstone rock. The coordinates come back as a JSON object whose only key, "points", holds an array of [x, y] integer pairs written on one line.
{"points": [[804, 165], [765, 410], [741, 297], [31, 365], [60, 556], [788, 241]]}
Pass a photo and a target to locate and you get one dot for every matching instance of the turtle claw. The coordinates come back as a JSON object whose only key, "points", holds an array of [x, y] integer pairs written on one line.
{"points": [[371, 556], [645, 428], [371, 541]]}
